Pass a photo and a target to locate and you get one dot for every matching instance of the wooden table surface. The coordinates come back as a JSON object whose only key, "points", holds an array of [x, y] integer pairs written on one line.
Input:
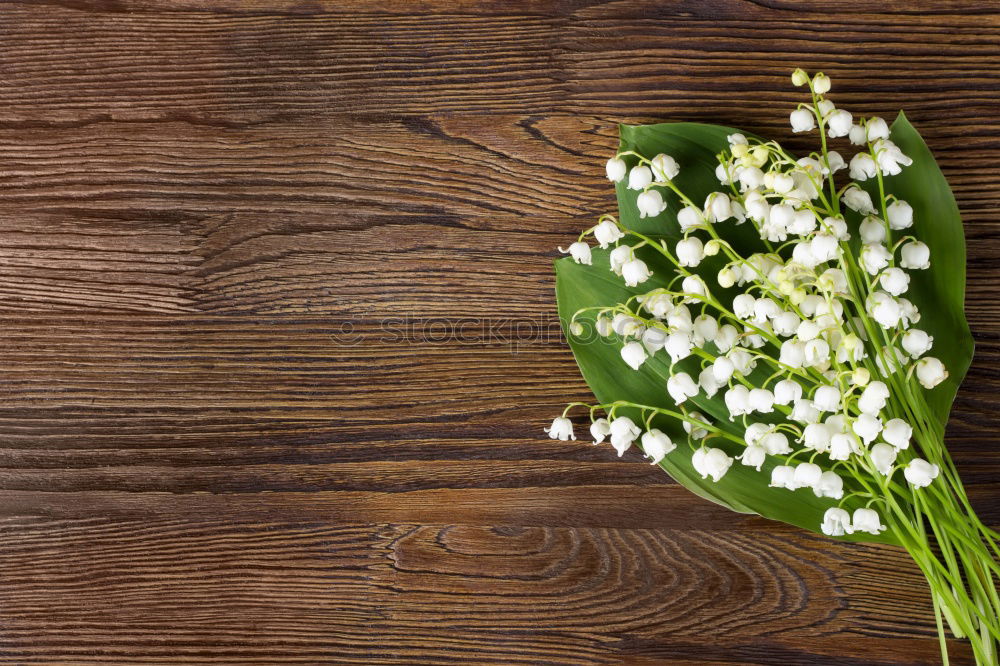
{"points": [[278, 336]]}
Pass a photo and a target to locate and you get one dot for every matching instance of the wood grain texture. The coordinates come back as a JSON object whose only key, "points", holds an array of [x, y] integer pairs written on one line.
{"points": [[279, 337]]}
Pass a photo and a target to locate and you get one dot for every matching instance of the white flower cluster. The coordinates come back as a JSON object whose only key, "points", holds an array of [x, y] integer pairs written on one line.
{"points": [[829, 328]]}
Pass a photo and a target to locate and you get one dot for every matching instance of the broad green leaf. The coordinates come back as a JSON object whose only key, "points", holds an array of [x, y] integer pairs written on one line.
{"points": [[695, 146]]}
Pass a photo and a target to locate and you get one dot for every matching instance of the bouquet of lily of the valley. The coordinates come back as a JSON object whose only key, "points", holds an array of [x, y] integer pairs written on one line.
{"points": [[785, 335]]}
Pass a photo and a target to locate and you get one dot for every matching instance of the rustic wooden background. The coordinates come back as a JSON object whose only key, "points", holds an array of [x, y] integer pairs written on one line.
{"points": [[212, 450]]}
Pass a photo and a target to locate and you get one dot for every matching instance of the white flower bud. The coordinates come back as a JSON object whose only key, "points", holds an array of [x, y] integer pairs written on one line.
{"points": [[657, 445], [931, 372], [753, 456], [712, 248], [726, 278], [600, 429], [664, 168], [737, 401], [839, 123], [580, 252], [826, 107], [690, 251], [917, 342], [867, 427], [711, 462], [860, 376], [799, 78], [783, 476], [634, 354], [821, 84], [787, 391], [858, 200], [761, 400], [561, 429], [898, 433], [872, 230], [915, 254], [873, 398], [576, 328], [874, 258], [867, 520], [606, 233], [807, 475], [894, 280], [615, 169], [829, 485], [650, 203], [920, 473], [623, 432], [640, 177], [693, 284], [827, 399], [900, 215], [883, 457], [836, 522], [863, 166], [802, 120], [680, 386]]}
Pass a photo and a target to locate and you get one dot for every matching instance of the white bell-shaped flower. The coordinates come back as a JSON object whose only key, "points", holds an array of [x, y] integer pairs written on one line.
{"points": [[839, 123], [785, 323], [580, 252], [706, 327], [775, 443], [842, 446], [690, 251], [807, 475], [863, 166], [894, 280], [792, 353], [656, 444], [708, 383], [693, 284], [867, 520], [727, 337], [694, 430], [787, 391], [753, 456], [915, 255], [900, 215], [618, 257], [874, 257], [738, 401], [836, 227], [761, 400], [626, 325], [858, 200], [867, 427], [891, 159], [664, 168], [829, 485], [755, 431], [802, 120], [718, 207], [680, 386], [634, 272], [653, 340], [616, 169], [872, 230], [883, 457], [821, 84], [722, 369], [711, 462], [873, 398], [640, 177], [623, 432], [561, 429], [650, 203], [816, 436], [876, 128], [916, 343], [679, 345], [898, 433], [884, 309], [634, 354], [783, 476], [930, 372], [600, 429], [606, 233], [688, 218], [836, 522], [817, 352], [827, 399], [920, 473], [804, 411], [742, 360]]}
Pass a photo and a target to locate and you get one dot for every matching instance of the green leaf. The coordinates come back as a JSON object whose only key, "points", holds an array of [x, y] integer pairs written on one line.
{"points": [[938, 292]]}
